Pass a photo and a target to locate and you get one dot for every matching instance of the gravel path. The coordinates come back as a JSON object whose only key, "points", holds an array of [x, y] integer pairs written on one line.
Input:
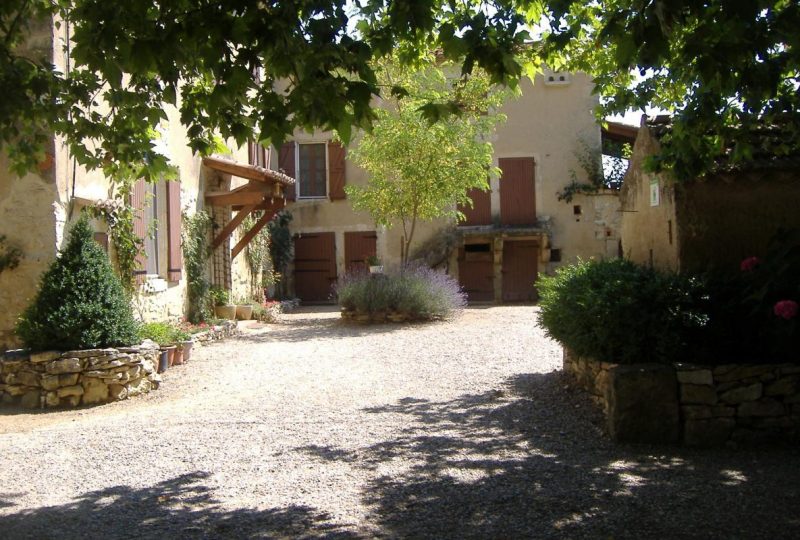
{"points": [[311, 428]]}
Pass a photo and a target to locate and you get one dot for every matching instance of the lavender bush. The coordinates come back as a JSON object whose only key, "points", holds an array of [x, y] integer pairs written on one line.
{"points": [[417, 292]]}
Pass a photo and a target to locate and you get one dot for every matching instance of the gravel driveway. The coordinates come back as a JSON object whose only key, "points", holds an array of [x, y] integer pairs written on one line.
{"points": [[311, 428]]}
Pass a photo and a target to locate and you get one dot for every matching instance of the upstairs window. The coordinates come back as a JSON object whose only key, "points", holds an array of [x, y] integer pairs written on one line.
{"points": [[312, 170]]}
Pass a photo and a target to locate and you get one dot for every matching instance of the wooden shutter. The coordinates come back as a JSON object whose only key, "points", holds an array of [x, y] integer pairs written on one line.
{"points": [[174, 256], [138, 201], [286, 164], [336, 153]]}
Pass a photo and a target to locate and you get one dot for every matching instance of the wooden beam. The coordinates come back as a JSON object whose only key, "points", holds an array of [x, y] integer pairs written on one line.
{"points": [[250, 172], [251, 233], [242, 198], [228, 229], [268, 204]]}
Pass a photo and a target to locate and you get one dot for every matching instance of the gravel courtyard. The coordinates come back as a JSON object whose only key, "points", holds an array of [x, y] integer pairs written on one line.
{"points": [[311, 428]]}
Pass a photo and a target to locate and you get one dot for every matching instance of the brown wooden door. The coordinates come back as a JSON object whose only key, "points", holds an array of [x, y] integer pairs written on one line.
{"points": [[517, 192], [520, 260], [314, 266], [357, 247], [476, 272], [481, 211]]}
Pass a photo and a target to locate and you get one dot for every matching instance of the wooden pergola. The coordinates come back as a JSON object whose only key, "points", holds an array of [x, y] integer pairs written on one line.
{"points": [[265, 192]]}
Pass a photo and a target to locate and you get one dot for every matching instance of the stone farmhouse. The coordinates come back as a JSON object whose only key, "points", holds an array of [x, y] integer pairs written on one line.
{"points": [[513, 232], [713, 222]]}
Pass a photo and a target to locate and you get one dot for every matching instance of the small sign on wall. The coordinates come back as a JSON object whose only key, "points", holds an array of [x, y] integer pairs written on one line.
{"points": [[655, 193]]}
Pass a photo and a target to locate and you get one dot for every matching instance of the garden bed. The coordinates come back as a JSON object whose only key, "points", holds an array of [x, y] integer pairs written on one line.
{"points": [[81, 377], [697, 405]]}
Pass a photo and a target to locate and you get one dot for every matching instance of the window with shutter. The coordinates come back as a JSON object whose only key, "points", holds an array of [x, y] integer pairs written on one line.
{"points": [[312, 177], [138, 199], [336, 172], [174, 255]]}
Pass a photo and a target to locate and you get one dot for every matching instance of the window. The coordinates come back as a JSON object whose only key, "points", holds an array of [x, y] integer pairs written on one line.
{"points": [[151, 209], [312, 177]]}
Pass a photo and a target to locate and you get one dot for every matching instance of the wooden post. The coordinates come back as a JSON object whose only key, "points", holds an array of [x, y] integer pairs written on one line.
{"points": [[251, 233], [228, 229]]}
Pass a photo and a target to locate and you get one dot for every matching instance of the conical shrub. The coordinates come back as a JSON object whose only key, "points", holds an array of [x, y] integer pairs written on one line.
{"points": [[81, 302]]}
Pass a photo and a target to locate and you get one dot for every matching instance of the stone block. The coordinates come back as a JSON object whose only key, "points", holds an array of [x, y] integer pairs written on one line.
{"points": [[698, 394], [65, 365], [94, 391], [742, 394], [52, 399], [68, 379], [763, 407], [12, 366], [50, 382], [708, 432], [117, 392], [105, 363], [739, 372], [696, 412], [44, 356], [723, 410], [86, 353], [643, 403], [74, 390], [790, 369], [139, 386], [794, 398], [71, 401], [782, 387], [17, 390], [775, 422], [696, 376], [32, 399], [28, 378]]}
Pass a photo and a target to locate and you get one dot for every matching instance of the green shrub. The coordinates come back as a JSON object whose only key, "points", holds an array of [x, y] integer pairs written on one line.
{"points": [[617, 311], [81, 302], [196, 250], [160, 332], [219, 296], [418, 292]]}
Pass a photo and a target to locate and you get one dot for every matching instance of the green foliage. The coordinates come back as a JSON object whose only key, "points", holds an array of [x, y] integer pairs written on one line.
{"points": [[81, 302], [597, 174], [617, 311], [219, 296], [281, 248], [160, 332], [196, 250], [110, 99], [725, 68], [10, 255], [256, 254], [419, 171], [418, 292]]}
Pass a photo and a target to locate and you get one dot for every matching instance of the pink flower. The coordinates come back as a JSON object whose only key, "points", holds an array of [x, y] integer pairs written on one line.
{"points": [[786, 309], [749, 264]]}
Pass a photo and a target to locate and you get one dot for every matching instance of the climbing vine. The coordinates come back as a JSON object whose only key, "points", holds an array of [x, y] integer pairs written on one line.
{"points": [[196, 251], [603, 171], [280, 248], [257, 257]]}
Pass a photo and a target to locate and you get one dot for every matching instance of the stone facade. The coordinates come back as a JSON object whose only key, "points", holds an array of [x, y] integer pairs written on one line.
{"points": [[708, 406], [87, 377]]}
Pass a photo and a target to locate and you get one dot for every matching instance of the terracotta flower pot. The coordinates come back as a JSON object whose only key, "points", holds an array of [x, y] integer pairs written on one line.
{"points": [[170, 350], [225, 312], [186, 347], [244, 312]]}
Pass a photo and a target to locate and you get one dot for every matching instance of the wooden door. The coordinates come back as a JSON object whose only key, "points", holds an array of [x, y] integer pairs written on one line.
{"points": [[520, 261], [517, 192], [314, 266], [476, 272], [357, 247], [481, 211]]}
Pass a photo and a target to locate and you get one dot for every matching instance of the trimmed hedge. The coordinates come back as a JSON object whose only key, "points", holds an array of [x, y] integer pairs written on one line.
{"points": [[81, 303], [616, 311]]}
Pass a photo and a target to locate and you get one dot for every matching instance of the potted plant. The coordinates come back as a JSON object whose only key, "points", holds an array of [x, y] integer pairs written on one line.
{"points": [[244, 309], [161, 333], [183, 340], [374, 264], [222, 305]]}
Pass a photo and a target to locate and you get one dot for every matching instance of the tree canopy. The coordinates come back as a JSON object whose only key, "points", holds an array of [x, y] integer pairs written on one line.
{"points": [[728, 69], [418, 171]]}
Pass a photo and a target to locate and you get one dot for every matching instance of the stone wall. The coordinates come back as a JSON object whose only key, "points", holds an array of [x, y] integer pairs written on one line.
{"points": [[55, 379], [697, 405]]}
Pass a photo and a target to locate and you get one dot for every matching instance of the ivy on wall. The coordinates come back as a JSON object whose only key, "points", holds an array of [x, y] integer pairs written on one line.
{"points": [[10, 256]]}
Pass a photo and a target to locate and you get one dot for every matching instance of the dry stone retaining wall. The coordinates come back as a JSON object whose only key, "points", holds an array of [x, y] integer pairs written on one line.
{"points": [[72, 378], [698, 405]]}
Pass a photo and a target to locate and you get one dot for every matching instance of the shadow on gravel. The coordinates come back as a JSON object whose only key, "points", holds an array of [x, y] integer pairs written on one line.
{"points": [[310, 328], [182, 507], [530, 460]]}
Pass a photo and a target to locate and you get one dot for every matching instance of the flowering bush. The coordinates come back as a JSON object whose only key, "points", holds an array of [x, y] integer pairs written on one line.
{"points": [[785, 309], [749, 264], [416, 292]]}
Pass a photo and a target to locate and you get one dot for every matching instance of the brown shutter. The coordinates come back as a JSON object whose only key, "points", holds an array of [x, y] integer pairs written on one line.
{"points": [[138, 200], [174, 259], [286, 164], [336, 153]]}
